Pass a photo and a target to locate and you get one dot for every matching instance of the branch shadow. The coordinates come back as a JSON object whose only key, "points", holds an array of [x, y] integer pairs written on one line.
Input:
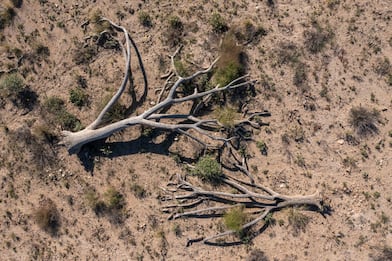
{"points": [[90, 153]]}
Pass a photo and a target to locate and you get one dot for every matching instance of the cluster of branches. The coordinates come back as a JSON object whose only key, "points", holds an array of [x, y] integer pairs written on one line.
{"points": [[187, 196]]}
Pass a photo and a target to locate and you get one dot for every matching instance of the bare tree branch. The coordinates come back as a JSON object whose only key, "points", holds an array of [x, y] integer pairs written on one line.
{"points": [[251, 196], [151, 117]]}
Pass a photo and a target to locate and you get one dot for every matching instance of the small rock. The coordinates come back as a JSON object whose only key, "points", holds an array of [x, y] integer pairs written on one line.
{"points": [[152, 103], [340, 142]]}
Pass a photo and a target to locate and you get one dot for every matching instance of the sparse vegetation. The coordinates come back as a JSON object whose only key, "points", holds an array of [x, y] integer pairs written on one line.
{"points": [[6, 16], [56, 108], [298, 221], [317, 37], [257, 255], [11, 85]]}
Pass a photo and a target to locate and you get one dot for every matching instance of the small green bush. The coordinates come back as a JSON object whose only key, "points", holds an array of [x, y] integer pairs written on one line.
{"points": [[145, 19], [262, 146], [114, 199], [208, 169], [364, 120], [235, 218], [56, 107], [218, 23], [11, 85], [226, 115], [78, 97], [117, 112]]}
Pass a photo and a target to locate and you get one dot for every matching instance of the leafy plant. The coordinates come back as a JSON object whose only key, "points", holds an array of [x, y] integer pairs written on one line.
{"points": [[226, 115], [262, 146], [364, 120], [207, 168], [218, 23], [138, 191], [114, 199], [235, 218], [175, 31], [78, 97], [11, 85], [56, 107]]}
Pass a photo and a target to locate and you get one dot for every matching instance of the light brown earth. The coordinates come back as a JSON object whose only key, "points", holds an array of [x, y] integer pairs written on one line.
{"points": [[339, 77]]}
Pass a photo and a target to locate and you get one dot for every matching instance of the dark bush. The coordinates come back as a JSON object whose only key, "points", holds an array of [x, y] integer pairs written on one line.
{"points": [[56, 108], [317, 38], [257, 255], [364, 120], [48, 217], [218, 23], [78, 97]]}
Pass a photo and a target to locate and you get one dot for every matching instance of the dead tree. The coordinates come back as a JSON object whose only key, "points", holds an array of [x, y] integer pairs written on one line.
{"points": [[155, 116], [259, 201]]}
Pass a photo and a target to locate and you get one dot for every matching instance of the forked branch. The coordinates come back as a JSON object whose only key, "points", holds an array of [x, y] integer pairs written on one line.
{"points": [[257, 200], [153, 117]]}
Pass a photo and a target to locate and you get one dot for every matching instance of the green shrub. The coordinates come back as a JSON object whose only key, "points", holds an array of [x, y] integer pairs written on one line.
{"points": [[364, 120], [235, 218], [56, 107], [208, 169], [114, 199], [11, 85], [78, 97], [145, 19], [262, 146], [218, 23], [226, 116]]}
